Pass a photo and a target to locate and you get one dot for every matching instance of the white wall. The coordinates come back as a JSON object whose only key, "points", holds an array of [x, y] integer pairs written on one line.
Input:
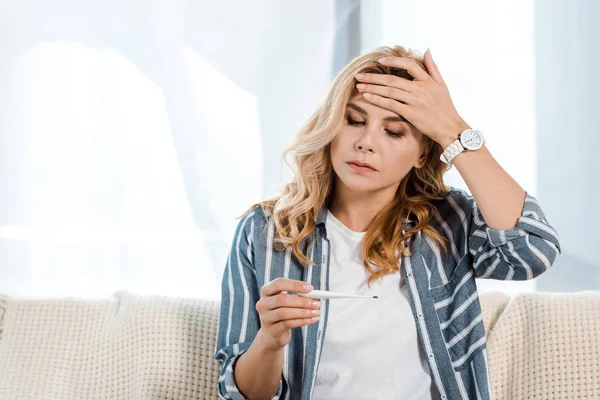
{"points": [[485, 53], [568, 100]]}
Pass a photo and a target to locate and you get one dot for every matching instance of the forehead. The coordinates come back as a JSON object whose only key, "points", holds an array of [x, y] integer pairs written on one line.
{"points": [[362, 106]]}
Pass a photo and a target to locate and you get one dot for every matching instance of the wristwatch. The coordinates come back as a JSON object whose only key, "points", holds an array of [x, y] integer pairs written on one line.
{"points": [[469, 139]]}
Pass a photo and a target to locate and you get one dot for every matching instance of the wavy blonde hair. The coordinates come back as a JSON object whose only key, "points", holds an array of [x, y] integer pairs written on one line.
{"points": [[295, 210]]}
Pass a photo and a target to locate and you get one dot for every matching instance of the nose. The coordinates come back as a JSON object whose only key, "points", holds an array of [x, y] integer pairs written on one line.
{"points": [[367, 149], [365, 142]]}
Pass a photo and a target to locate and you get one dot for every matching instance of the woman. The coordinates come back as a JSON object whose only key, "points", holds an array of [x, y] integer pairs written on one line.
{"points": [[367, 212]]}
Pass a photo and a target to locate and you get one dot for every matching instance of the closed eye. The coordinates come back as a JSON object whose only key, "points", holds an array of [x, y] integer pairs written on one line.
{"points": [[392, 134], [395, 135], [354, 123]]}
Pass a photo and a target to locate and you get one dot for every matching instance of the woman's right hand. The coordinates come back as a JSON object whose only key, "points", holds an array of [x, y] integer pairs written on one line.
{"points": [[279, 312]]}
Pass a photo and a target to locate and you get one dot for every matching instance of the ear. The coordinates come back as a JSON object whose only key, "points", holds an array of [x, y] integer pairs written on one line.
{"points": [[425, 149]]}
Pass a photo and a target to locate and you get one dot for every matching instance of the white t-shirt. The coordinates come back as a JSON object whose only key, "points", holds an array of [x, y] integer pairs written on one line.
{"points": [[371, 348]]}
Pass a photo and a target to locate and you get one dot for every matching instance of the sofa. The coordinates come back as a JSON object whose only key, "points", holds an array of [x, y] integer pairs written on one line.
{"points": [[127, 346]]}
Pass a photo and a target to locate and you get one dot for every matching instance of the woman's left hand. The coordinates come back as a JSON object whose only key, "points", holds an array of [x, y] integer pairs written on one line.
{"points": [[425, 102]]}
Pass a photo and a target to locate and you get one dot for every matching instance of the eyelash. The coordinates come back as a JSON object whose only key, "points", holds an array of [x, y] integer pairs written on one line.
{"points": [[395, 135]]}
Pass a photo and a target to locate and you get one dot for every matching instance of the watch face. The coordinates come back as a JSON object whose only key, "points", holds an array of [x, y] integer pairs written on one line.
{"points": [[471, 139]]}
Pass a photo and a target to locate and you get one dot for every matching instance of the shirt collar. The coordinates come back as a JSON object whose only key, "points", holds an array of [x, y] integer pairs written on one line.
{"points": [[322, 219]]}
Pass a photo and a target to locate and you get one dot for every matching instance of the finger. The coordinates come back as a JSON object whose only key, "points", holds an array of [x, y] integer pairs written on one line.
{"points": [[432, 67], [281, 327], [290, 300], [386, 91], [408, 64], [387, 80], [286, 313], [285, 285], [390, 104]]}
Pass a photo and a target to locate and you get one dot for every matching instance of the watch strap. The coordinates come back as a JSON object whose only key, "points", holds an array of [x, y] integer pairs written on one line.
{"points": [[452, 151]]}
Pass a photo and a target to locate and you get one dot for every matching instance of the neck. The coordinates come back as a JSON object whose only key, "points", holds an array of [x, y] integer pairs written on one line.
{"points": [[357, 210]]}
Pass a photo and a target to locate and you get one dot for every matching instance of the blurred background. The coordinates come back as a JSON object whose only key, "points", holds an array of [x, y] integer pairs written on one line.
{"points": [[133, 133]]}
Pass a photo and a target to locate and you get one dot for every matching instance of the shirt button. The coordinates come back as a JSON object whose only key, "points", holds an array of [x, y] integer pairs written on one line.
{"points": [[409, 274], [430, 356], [419, 315], [443, 397]]}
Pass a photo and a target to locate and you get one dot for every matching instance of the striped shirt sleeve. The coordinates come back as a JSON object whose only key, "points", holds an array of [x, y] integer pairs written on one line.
{"points": [[521, 253], [239, 321]]}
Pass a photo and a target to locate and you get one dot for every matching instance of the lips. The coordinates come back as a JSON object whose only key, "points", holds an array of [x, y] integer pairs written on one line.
{"points": [[362, 164]]}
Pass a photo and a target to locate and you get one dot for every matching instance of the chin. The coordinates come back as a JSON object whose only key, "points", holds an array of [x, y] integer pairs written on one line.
{"points": [[359, 183]]}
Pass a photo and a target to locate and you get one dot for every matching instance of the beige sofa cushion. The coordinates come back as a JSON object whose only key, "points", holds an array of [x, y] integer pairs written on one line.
{"points": [[124, 347], [543, 345], [540, 346]]}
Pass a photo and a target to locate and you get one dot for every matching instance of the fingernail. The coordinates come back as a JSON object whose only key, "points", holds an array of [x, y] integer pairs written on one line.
{"points": [[382, 60], [367, 95], [361, 86], [360, 76], [308, 286]]}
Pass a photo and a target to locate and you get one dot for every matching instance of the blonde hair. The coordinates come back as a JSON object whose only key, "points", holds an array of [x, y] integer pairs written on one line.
{"points": [[295, 210]]}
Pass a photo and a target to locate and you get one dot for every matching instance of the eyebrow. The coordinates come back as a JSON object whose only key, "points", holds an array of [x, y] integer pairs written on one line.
{"points": [[397, 118]]}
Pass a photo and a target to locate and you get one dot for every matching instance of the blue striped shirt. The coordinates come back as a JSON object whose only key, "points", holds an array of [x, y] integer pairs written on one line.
{"points": [[441, 286]]}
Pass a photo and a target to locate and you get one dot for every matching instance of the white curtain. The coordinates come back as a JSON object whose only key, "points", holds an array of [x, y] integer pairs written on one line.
{"points": [[133, 133]]}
